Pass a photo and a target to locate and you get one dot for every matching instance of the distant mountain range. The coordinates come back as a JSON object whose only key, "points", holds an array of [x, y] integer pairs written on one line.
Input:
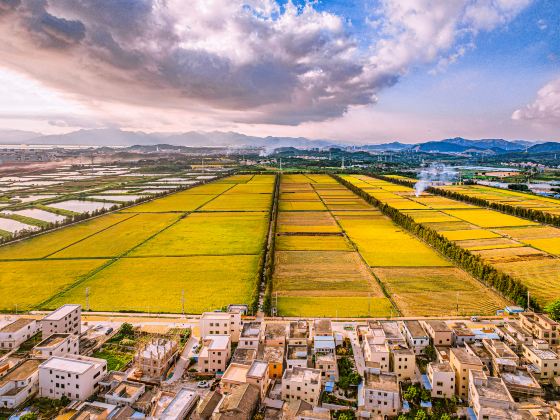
{"points": [[116, 137]]}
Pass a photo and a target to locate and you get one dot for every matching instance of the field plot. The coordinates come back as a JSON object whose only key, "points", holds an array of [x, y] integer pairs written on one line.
{"points": [[517, 246], [142, 258]]}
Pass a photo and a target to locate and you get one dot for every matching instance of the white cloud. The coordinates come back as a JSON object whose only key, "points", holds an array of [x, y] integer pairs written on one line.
{"points": [[545, 109]]}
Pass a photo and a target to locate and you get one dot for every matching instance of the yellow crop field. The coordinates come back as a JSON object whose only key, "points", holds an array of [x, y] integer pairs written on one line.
{"points": [[289, 221], [338, 306], [28, 283], [438, 291], [489, 218], [178, 202], [491, 243], [46, 244], [550, 245], [508, 255], [312, 243], [531, 232], [156, 284], [119, 238], [465, 234], [239, 202], [301, 205], [207, 189]]}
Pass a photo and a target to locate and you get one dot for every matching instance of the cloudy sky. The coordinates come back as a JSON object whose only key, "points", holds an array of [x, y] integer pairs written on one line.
{"points": [[363, 70]]}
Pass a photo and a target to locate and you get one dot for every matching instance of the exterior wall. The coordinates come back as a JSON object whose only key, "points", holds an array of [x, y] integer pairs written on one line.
{"points": [[541, 326], [69, 324], [549, 367], [275, 369], [28, 387], [249, 343], [462, 375], [382, 402], [418, 344], [215, 359], [70, 345], [443, 383], [404, 365], [296, 390], [216, 323], [292, 363], [12, 340], [328, 368]]}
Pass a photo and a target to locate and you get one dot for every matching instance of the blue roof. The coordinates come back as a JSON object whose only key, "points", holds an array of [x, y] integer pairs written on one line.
{"points": [[471, 413], [329, 386], [324, 342], [426, 382], [426, 404], [405, 406]]}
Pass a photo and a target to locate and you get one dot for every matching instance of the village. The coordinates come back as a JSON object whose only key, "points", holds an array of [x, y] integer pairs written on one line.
{"points": [[72, 365]]}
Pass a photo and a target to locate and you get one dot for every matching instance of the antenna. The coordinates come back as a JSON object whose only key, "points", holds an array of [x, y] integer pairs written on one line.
{"points": [[87, 298]]}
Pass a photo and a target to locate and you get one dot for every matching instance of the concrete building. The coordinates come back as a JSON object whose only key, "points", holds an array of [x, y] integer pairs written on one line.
{"points": [[297, 356], [489, 397], [301, 384], [439, 332], [298, 334], [221, 323], [402, 362], [250, 335], [240, 404], [76, 377], [57, 345], [275, 334], [274, 356], [324, 344], [17, 332], [541, 327], [214, 354], [327, 364], [504, 359], [174, 405], [322, 328], [65, 320], [545, 362], [515, 335], [462, 362], [256, 374], [155, 357], [521, 384], [19, 384], [478, 349], [244, 356], [442, 380], [382, 394], [461, 334], [376, 353], [125, 393], [415, 335]]}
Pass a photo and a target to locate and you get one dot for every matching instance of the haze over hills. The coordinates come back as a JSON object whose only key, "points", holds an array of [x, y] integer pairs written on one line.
{"points": [[117, 137]]}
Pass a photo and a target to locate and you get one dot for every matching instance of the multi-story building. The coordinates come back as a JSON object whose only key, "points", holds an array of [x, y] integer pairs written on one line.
{"points": [[237, 374], [302, 384], [17, 332], [461, 334], [19, 384], [214, 354], [297, 356], [503, 358], [244, 356], [442, 379], [275, 334], [76, 377], [322, 328], [402, 362], [125, 393], [416, 337], [250, 335], [515, 335], [57, 345], [327, 364], [462, 362], [381, 394], [155, 357], [478, 349], [489, 397], [439, 332], [546, 364], [221, 323], [541, 327], [274, 356], [298, 334], [376, 353], [65, 320]]}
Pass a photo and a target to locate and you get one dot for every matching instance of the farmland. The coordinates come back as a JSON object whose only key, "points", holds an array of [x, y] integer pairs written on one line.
{"points": [[206, 242], [526, 250], [317, 274]]}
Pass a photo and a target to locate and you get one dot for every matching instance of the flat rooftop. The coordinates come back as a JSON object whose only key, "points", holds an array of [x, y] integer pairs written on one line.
{"points": [[126, 389], [236, 372], [61, 312], [520, 378], [21, 372], [274, 331], [441, 367], [244, 356], [53, 340], [299, 329], [464, 357], [273, 354], [544, 354], [322, 327], [216, 315], [68, 364], [492, 388], [17, 325], [391, 329], [438, 326], [257, 369], [177, 406], [306, 375], [251, 329], [217, 342], [297, 352], [415, 329], [382, 381]]}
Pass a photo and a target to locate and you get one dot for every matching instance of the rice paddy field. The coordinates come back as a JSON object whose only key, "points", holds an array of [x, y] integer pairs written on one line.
{"points": [[337, 261], [207, 242], [524, 249]]}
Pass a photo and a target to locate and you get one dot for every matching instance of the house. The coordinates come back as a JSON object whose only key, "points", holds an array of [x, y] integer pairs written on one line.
{"points": [[515, 335], [256, 374], [382, 394], [57, 345], [19, 384], [489, 397], [442, 379], [478, 349], [545, 362], [439, 332], [521, 383], [221, 323], [206, 406], [324, 344], [462, 362], [415, 335], [155, 357], [298, 334], [297, 356], [376, 353], [301, 384], [302, 410], [214, 354], [402, 362], [274, 356], [322, 328], [503, 358], [240, 404], [541, 327], [275, 334], [17, 332], [174, 405], [244, 356], [250, 335], [125, 393], [65, 320], [327, 364], [76, 377], [461, 334]]}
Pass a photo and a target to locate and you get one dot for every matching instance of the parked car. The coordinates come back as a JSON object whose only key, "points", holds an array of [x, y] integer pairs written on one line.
{"points": [[203, 384], [109, 331]]}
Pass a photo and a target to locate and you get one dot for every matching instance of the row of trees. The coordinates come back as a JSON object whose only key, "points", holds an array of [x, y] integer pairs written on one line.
{"points": [[473, 264], [525, 213]]}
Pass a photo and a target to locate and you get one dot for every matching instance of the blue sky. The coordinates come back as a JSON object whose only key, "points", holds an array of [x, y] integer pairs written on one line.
{"points": [[364, 71]]}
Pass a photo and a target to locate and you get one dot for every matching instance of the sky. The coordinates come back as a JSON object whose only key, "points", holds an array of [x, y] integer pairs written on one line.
{"points": [[364, 71]]}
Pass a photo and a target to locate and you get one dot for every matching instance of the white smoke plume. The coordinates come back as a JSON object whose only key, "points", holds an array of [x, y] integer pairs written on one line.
{"points": [[435, 173]]}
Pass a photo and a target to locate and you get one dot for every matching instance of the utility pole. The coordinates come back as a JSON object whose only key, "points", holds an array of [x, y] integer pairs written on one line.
{"points": [[342, 162], [87, 298]]}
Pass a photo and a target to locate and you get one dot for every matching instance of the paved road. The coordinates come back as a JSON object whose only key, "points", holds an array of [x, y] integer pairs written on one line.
{"points": [[358, 354], [183, 361]]}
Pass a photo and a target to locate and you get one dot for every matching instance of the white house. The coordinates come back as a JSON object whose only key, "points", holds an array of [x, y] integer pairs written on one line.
{"points": [[57, 345], [301, 384], [214, 354], [381, 394], [19, 384], [65, 320], [415, 335], [221, 323], [17, 332]]}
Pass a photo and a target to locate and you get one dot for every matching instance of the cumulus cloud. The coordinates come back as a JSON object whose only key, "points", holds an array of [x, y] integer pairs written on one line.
{"points": [[255, 60], [545, 108]]}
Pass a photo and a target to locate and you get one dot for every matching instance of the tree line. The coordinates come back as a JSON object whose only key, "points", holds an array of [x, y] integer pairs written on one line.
{"points": [[471, 263]]}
